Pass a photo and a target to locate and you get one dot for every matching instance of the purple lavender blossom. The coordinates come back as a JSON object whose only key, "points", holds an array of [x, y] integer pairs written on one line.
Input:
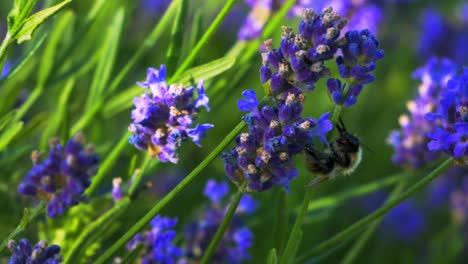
{"points": [[440, 37], [298, 63], [235, 243], [256, 19], [24, 253], [154, 7], [263, 157], [360, 14], [117, 192], [164, 116], [216, 191], [63, 176], [459, 203], [410, 142], [158, 242], [405, 222], [6, 69], [451, 118], [356, 64]]}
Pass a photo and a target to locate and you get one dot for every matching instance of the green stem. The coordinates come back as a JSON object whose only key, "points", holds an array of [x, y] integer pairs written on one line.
{"points": [[361, 242], [336, 199], [81, 241], [205, 38], [170, 196], [222, 228], [3, 50], [27, 218], [139, 177], [293, 240], [108, 164], [378, 213], [280, 230]]}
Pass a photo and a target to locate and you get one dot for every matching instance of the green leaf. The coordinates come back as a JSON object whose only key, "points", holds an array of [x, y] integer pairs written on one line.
{"points": [[7, 136], [49, 54], [177, 36], [25, 219], [58, 118], [107, 59], [272, 257], [24, 60], [34, 21], [206, 71], [16, 17]]}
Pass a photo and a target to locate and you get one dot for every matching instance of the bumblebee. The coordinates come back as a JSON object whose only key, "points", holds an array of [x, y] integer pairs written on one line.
{"points": [[342, 157]]}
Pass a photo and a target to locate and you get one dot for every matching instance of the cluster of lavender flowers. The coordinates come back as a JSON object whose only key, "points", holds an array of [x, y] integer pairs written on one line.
{"points": [[237, 238], [451, 119], [263, 157], [443, 37], [159, 241], [410, 143], [63, 176], [41, 253], [360, 14], [164, 114]]}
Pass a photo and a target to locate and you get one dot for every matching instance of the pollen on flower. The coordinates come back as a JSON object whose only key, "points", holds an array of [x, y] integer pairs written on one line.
{"points": [[164, 116]]}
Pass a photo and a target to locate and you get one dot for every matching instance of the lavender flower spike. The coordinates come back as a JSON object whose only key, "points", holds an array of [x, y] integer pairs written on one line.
{"points": [[41, 253], [158, 242], [451, 119], [164, 116], [63, 176]]}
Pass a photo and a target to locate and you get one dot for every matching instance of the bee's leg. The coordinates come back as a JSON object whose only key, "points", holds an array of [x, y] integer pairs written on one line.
{"points": [[318, 180]]}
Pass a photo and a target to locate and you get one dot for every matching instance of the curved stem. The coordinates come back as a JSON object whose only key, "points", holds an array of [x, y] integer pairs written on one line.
{"points": [[170, 196], [222, 228], [378, 213], [80, 242]]}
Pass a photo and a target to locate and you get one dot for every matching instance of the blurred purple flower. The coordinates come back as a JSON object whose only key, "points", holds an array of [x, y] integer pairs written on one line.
{"points": [[24, 253], [63, 176], [158, 242], [237, 240], [410, 143]]}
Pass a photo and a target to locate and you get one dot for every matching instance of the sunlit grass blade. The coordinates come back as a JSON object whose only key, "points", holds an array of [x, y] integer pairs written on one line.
{"points": [[204, 39], [57, 118], [147, 45], [7, 136], [108, 52], [88, 231], [339, 198], [177, 36]]}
